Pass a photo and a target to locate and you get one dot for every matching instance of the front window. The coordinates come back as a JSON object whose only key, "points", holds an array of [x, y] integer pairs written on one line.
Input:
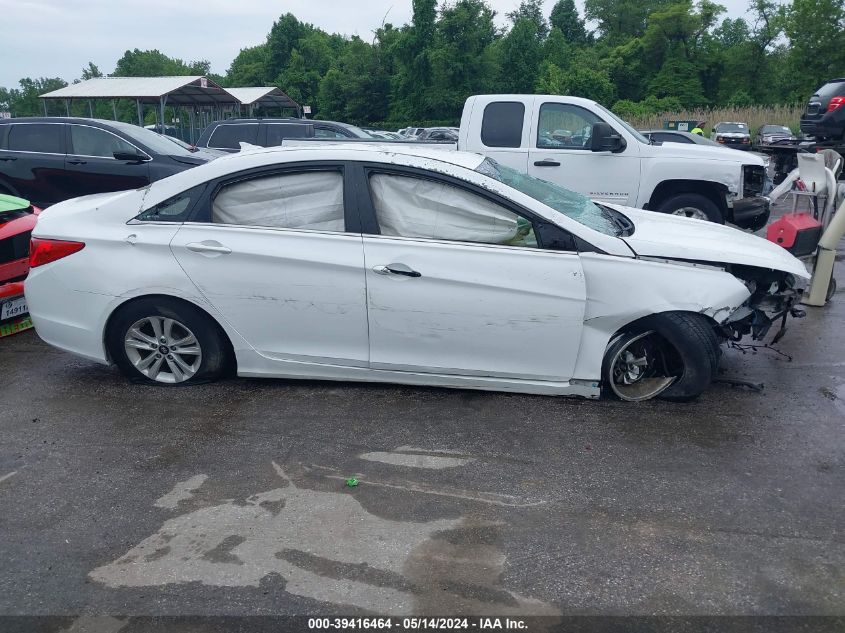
{"points": [[571, 204], [150, 140], [565, 126], [91, 141], [739, 128], [624, 124]]}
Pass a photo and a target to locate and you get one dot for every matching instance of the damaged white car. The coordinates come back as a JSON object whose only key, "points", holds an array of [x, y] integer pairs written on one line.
{"points": [[399, 265]]}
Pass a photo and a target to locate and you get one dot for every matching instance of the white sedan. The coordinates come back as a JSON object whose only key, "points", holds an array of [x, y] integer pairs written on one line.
{"points": [[398, 264]]}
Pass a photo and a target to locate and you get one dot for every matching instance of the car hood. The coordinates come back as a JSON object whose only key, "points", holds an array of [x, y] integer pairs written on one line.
{"points": [[733, 134], [684, 151], [673, 237]]}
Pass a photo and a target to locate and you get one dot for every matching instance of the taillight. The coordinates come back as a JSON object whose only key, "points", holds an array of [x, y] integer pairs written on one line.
{"points": [[45, 251], [835, 103]]}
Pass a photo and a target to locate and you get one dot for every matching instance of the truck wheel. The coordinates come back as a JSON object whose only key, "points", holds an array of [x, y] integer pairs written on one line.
{"points": [[673, 356], [692, 205]]}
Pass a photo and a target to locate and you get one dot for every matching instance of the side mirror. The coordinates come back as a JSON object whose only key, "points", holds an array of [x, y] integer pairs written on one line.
{"points": [[606, 139], [130, 156]]}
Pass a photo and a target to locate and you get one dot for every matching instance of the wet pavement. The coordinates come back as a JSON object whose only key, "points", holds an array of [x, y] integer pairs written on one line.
{"points": [[232, 498]]}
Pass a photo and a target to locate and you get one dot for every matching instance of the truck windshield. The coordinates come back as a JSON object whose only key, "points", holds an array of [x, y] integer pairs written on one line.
{"points": [[571, 204]]}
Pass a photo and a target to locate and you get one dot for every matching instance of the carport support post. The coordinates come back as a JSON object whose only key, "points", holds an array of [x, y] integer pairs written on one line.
{"points": [[44, 102], [163, 101], [140, 116], [191, 119], [67, 107], [114, 110], [90, 108]]}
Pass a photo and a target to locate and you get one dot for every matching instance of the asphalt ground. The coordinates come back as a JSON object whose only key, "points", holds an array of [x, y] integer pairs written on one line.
{"points": [[232, 498]]}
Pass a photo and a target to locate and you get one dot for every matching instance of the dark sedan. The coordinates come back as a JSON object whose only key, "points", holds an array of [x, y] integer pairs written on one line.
{"points": [[50, 159]]}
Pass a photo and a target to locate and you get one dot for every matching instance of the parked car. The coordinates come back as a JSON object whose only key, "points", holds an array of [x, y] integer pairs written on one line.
{"points": [[579, 144], [732, 134], [227, 135], [17, 218], [411, 132], [50, 159], [389, 136], [768, 134], [438, 134], [676, 136], [824, 117], [405, 264]]}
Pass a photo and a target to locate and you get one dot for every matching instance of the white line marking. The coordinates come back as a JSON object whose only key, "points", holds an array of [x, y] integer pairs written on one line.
{"points": [[5, 477]]}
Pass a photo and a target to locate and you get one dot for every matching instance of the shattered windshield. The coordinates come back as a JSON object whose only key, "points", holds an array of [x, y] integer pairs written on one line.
{"points": [[571, 204]]}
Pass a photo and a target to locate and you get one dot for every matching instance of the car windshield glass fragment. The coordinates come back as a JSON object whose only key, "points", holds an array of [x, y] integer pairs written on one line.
{"points": [[571, 204]]}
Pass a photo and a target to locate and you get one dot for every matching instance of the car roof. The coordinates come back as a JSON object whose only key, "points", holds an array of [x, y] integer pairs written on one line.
{"points": [[60, 119]]}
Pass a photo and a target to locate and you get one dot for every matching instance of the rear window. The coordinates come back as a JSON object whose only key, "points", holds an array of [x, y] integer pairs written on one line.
{"points": [[36, 137], [230, 136], [278, 131], [501, 125], [832, 89]]}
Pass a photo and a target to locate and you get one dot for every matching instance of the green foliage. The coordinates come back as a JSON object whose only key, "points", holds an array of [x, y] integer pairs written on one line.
{"points": [[647, 57]]}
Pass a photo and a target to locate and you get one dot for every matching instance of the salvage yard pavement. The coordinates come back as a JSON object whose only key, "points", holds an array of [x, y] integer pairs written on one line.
{"points": [[232, 498]]}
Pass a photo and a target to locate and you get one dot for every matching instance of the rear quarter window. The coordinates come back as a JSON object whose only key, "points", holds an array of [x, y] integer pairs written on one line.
{"points": [[229, 136], [501, 125]]}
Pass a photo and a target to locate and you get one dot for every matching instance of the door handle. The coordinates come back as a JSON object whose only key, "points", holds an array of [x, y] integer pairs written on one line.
{"points": [[396, 269], [78, 162], [8, 158], [546, 163], [208, 246]]}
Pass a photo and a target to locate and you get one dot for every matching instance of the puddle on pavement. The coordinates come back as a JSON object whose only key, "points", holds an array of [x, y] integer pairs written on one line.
{"points": [[327, 547]]}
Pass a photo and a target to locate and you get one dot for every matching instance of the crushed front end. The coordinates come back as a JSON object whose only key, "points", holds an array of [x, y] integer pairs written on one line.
{"points": [[775, 296]]}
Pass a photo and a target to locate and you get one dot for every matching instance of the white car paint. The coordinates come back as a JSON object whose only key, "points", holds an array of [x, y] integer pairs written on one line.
{"points": [[307, 304]]}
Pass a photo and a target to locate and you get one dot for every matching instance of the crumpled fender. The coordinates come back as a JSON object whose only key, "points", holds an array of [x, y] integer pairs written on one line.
{"points": [[622, 291]]}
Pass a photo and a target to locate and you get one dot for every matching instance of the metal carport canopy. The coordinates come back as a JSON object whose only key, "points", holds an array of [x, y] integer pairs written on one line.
{"points": [[267, 97], [183, 90]]}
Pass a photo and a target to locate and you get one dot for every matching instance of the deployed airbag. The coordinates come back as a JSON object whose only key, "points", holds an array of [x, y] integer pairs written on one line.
{"points": [[414, 207], [308, 200]]}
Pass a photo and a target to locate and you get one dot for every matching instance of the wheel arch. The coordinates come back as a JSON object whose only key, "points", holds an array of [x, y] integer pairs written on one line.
{"points": [[714, 191], [227, 341]]}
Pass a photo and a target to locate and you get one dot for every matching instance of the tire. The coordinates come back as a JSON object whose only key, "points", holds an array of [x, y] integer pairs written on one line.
{"points": [[698, 206], [682, 345], [194, 351]]}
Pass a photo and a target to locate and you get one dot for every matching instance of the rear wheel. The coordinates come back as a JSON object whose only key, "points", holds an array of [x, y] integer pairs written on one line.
{"points": [[692, 205], [166, 342], [672, 356]]}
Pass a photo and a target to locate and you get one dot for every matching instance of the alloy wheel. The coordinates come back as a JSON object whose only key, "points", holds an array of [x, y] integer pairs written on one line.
{"points": [[163, 349], [639, 368]]}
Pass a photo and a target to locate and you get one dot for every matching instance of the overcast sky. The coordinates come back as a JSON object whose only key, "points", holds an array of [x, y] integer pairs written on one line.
{"points": [[57, 38]]}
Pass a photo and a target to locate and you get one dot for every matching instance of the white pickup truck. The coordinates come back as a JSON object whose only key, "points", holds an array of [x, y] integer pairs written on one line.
{"points": [[579, 144]]}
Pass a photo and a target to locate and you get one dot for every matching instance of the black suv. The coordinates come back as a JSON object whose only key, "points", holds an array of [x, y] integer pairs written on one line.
{"points": [[229, 134], [824, 117], [50, 159]]}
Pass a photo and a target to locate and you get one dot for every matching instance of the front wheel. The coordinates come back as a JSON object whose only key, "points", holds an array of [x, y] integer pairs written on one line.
{"points": [[692, 205], [672, 356], [164, 342]]}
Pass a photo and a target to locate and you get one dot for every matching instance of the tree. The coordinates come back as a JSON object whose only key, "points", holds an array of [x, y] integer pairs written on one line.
{"points": [[565, 17], [154, 63], [519, 57], [578, 81], [91, 71], [248, 67], [816, 32], [531, 10]]}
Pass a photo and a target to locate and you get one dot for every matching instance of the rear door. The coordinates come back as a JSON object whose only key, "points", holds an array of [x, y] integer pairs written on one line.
{"points": [[32, 161], [457, 283], [560, 153], [275, 133], [92, 166], [270, 250]]}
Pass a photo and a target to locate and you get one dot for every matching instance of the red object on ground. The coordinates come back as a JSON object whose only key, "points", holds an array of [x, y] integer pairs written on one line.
{"points": [[799, 233]]}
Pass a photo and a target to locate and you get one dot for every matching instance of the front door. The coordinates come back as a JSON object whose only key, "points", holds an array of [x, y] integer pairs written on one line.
{"points": [[560, 153], [92, 167], [271, 254], [458, 284]]}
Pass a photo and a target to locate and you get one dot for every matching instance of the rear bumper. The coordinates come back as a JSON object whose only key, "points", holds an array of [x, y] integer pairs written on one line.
{"points": [[751, 213], [827, 125]]}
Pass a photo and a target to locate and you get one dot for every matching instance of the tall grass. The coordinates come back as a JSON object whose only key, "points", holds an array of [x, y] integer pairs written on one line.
{"points": [[754, 116]]}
